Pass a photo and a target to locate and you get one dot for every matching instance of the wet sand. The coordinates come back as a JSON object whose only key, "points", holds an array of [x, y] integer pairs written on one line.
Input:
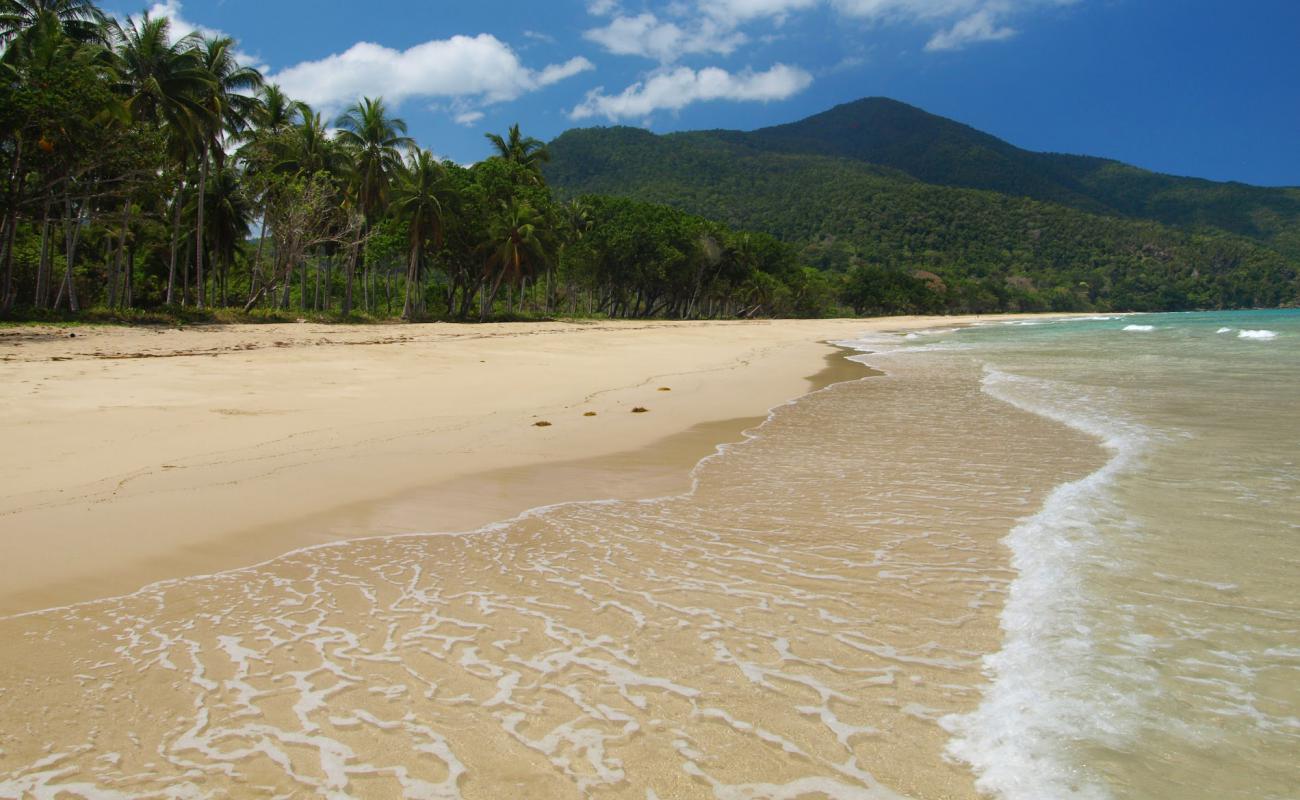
{"points": [[135, 455]]}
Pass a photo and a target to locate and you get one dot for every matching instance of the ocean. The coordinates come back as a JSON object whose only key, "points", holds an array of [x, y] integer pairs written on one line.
{"points": [[1030, 560], [1152, 634]]}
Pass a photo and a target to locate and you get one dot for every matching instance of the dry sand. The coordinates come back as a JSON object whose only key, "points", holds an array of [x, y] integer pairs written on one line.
{"points": [[138, 454]]}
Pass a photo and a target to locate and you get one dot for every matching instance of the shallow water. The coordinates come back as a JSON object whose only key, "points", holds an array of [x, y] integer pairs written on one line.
{"points": [[1153, 634]]}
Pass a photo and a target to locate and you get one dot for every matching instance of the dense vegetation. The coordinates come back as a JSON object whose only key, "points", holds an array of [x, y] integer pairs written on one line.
{"points": [[146, 172], [937, 150], [896, 242]]}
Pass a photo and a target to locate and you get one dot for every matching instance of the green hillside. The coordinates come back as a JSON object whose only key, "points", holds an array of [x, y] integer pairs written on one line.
{"points": [[941, 151], [890, 223]]}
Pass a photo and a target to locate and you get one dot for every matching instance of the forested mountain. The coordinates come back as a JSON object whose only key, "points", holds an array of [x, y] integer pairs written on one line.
{"points": [[938, 150], [926, 203]]}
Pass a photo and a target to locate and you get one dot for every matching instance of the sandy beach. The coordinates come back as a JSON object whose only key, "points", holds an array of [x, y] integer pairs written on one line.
{"points": [[141, 454]]}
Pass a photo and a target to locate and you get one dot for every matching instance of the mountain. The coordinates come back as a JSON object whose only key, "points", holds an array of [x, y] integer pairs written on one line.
{"points": [[883, 184], [938, 150]]}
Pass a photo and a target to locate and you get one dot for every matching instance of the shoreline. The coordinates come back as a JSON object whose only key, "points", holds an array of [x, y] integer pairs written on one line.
{"points": [[594, 620], [107, 541]]}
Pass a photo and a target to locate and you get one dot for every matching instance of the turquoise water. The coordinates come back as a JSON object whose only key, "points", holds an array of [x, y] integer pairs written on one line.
{"points": [[1152, 635]]}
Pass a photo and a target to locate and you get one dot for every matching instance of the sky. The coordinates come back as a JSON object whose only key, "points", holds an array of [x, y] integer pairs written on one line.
{"points": [[1209, 88]]}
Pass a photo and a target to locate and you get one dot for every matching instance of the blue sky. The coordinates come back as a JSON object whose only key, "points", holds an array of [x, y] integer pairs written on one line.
{"points": [[1192, 87]]}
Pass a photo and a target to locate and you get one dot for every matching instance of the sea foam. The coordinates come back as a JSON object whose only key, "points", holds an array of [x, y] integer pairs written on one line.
{"points": [[1261, 334], [1041, 696], [1139, 328]]}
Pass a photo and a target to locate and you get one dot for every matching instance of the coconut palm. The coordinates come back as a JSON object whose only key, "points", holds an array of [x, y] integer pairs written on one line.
{"points": [[230, 106], [416, 200], [308, 148], [264, 152], [80, 20], [162, 81], [376, 142], [515, 249], [278, 112], [229, 218], [527, 152]]}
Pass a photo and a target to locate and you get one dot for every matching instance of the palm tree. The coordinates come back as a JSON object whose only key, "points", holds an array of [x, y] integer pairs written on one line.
{"points": [[575, 223], [278, 112], [309, 148], [162, 81], [416, 200], [375, 141], [229, 219], [276, 117], [37, 44], [515, 248], [80, 20], [527, 152], [229, 106]]}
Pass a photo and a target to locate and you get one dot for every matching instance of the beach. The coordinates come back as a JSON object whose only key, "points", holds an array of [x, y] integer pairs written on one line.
{"points": [[754, 598], [858, 560], [142, 454]]}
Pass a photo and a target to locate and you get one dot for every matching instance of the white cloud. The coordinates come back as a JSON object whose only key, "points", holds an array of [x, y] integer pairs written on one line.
{"points": [[651, 37], [716, 26], [736, 12], [182, 27], [677, 88], [480, 68], [912, 10], [468, 118], [554, 73], [978, 27]]}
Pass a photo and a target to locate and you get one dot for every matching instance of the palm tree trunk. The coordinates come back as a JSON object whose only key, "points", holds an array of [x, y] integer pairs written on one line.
{"points": [[176, 241], [11, 215], [130, 276], [185, 273], [43, 266], [412, 270], [198, 230], [350, 272], [388, 290], [288, 284], [255, 270], [72, 233], [117, 257]]}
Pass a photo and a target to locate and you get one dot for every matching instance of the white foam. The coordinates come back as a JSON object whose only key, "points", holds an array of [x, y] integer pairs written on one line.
{"points": [[1224, 330], [1260, 334], [1140, 328], [1041, 697]]}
